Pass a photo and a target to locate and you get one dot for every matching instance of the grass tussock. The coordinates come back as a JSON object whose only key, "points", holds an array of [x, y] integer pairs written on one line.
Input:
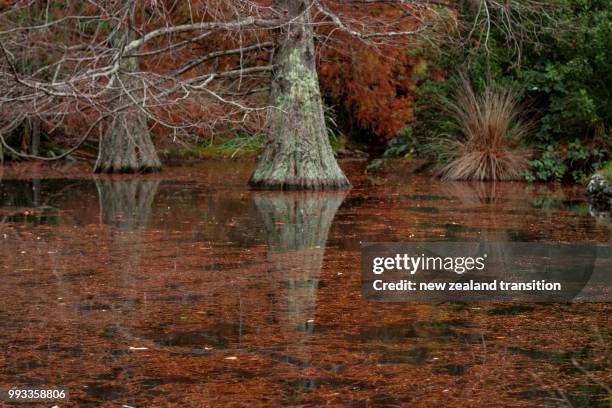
{"points": [[491, 131]]}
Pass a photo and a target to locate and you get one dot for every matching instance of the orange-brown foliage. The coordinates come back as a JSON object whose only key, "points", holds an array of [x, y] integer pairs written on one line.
{"points": [[201, 110], [372, 81]]}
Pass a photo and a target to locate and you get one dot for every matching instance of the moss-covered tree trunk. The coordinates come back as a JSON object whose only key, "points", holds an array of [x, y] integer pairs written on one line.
{"points": [[297, 155], [127, 146]]}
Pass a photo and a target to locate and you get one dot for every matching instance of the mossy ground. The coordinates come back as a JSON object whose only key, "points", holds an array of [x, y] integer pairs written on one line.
{"points": [[221, 147]]}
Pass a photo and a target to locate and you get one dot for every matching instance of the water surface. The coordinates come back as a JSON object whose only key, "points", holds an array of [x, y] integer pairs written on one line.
{"points": [[188, 289]]}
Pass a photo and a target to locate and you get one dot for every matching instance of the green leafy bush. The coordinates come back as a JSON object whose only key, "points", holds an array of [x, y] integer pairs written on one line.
{"points": [[575, 163], [405, 145], [563, 72], [549, 166], [606, 171]]}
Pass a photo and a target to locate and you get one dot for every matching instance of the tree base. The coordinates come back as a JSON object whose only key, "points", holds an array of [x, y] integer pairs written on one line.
{"points": [[127, 147]]}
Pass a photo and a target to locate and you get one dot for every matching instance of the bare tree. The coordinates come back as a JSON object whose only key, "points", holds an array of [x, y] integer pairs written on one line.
{"points": [[113, 69], [521, 22], [127, 146]]}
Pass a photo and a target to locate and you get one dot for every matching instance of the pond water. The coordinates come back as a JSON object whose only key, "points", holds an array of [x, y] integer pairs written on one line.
{"points": [[187, 289]]}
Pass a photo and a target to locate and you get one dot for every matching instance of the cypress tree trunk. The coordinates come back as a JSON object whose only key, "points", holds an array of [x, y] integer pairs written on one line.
{"points": [[127, 146], [297, 154]]}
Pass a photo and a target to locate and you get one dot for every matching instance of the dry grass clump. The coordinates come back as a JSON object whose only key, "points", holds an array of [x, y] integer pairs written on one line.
{"points": [[491, 131]]}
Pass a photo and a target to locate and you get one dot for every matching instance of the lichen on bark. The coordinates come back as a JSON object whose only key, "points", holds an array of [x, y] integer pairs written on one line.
{"points": [[297, 154]]}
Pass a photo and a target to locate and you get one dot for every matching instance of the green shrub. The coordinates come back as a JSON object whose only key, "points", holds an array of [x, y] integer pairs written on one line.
{"points": [[574, 163], [548, 167], [405, 145], [563, 71]]}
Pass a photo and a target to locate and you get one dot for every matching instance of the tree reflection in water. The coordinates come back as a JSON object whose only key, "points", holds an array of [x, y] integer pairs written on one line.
{"points": [[126, 204], [296, 227], [216, 318]]}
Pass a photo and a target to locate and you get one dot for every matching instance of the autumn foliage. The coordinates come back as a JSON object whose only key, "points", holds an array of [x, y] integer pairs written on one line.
{"points": [[375, 88], [371, 81]]}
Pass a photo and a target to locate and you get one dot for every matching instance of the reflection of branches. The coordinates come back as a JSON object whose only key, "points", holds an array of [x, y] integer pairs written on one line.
{"points": [[591, 377]]}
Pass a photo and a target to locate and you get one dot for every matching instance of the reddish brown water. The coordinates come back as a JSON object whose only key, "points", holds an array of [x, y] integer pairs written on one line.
{"points": [[187, 289]]}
